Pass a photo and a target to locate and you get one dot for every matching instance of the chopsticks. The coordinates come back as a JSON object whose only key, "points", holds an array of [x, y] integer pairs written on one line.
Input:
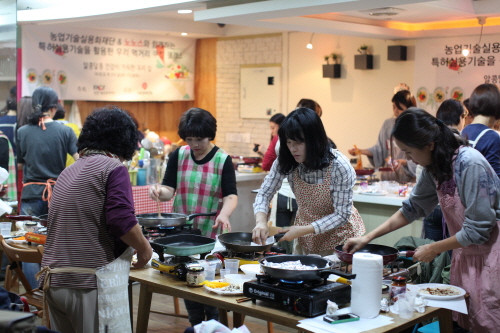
{"points": [[244, 299]]}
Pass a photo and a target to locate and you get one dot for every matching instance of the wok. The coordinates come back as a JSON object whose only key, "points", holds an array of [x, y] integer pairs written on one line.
{"points": [[183, 245], [240, 242], [167, 219], [42, 218], [389, 254], [321, 272]]}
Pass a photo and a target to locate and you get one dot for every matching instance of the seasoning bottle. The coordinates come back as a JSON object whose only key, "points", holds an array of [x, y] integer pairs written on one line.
{"points": [[195, 276], [398, 287]]}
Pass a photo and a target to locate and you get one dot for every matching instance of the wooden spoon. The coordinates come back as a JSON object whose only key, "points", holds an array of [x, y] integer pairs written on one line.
{"points": [[158, 203]]}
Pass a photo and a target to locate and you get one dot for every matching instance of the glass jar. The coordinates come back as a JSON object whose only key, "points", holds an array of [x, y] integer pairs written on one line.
{"points": [[398, 287], [195, 276]]}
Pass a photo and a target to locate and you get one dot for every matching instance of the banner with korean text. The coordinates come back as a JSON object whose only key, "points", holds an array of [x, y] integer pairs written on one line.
{"points": [[442, 71], [102, 65]]}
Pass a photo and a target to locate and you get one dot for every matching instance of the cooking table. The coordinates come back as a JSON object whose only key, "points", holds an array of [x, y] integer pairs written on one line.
{"points": [[153, 282]]}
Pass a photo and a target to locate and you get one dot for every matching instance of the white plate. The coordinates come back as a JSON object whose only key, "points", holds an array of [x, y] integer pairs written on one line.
{"points": [[439, 285], [17, 241], [223, 292], [375, 193]]}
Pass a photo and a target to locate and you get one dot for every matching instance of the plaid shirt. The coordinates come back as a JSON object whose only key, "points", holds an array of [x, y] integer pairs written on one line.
{"points": [[342, 182]]}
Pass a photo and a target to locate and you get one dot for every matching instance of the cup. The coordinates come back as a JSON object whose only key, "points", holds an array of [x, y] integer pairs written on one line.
{"points": [[141, 177], [210, 272], [223, 273], [5, 228], [406, 304], [232, 265]]}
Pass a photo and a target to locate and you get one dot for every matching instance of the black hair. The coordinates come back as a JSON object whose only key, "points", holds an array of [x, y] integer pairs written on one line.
{"points": [[310, 104], [109, 129], [450, 112], [277, 118], [304, 125], [485, 100], [44, 99], [403, 100], [417, 128], [466, 104], [197, 123], [11, 103], [60, 112]]}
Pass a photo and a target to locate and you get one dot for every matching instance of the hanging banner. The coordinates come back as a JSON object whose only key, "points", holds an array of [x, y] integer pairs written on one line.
{"points": [[442, 71], [102, 65]]}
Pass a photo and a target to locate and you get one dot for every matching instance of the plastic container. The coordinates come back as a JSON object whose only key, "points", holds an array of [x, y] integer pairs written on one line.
{"points": [[210, 273], [232, 265], [238, 279], [133, 177], [5, 228], [406, 305], [141, 177], [223, 273]]}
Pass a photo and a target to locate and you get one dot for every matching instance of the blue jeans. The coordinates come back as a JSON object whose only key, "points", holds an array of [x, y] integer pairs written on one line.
{"points": [[35, 207], [197, 311]]}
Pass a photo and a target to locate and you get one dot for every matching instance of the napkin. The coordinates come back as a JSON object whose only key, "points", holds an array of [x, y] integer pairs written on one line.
{"points": [[269, 240], [4, 208]]}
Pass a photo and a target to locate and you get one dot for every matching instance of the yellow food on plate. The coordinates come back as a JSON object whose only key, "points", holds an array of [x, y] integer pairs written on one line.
{"points": [[19, 238], [215, 284]]}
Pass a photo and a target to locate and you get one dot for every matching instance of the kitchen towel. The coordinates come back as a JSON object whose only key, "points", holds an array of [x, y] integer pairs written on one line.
{"points": [[366, 289]]}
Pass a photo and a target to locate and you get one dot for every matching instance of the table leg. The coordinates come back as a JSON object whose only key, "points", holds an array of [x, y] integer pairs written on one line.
{"points": [[222, 317], [130, 305], [143, 309], [445, 321], [238, 319]]}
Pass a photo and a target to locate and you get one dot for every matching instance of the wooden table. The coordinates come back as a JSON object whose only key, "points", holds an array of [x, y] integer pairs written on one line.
{"points": [[152, 281]]}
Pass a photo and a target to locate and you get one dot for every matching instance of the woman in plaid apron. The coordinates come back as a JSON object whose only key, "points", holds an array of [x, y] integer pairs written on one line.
{"points": [[321, 179], [203, 180]]}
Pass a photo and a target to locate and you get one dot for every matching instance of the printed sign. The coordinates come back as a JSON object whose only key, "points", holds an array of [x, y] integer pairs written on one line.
{"points": [[442, 71], [83, 64]]}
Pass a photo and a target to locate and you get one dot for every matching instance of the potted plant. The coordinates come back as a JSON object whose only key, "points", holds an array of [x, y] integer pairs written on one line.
{"points": [[332, 70], [363, 49], [363, 60]]}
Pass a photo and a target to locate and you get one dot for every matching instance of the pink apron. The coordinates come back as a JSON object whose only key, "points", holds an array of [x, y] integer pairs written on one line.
{"points": [[314, 202], [475, 268]]}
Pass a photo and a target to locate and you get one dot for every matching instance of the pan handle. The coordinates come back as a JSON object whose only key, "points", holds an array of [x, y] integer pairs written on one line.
{"points": [[277, 237], [190, 217], [339, 273], [21, 217], [408, 254], [159, 250]]}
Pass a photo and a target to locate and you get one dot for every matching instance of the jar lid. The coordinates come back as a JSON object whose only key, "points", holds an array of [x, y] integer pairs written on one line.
{"points": [[399, 279], [196, 269]]}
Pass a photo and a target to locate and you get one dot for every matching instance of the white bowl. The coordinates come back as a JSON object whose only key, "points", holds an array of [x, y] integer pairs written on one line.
{"points": [[251, 269], [238, 279]]}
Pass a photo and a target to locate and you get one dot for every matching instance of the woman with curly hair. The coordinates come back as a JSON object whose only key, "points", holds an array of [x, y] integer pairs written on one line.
{"points": [[92, 230], [464, 183]]}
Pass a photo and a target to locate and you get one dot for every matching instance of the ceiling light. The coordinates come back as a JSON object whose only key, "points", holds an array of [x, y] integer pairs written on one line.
{"points": [[384, 11], [184, 11], [184, 34], [310, 45]]}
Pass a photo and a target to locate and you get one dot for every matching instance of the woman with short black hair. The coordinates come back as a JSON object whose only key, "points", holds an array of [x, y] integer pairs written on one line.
{"points": [[452, 113], [321, 179], [461, 180]]}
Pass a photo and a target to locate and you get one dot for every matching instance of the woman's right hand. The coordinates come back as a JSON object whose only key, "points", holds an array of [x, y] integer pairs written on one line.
{"points": [[260, 233], [353, 151], [354, 244], [155, 192]]}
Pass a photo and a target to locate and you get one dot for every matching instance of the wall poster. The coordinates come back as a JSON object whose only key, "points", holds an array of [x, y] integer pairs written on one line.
{"points": [[442, 71], [102, 65]]}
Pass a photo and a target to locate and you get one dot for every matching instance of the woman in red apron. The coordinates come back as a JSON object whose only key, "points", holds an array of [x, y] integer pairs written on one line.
{"points": [[321, 179], [463, 182]]}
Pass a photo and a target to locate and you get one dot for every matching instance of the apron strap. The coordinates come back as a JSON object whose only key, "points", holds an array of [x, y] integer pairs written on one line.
{"points": [[47, 191]]}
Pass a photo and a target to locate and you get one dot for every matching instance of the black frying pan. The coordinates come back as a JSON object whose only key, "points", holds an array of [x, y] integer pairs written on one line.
{"points": [[240, 242], [389, 254], [322, 270]]}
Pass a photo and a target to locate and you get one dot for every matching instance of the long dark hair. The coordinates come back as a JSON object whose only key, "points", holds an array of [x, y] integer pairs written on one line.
{"points": [[404, 100], [44, 99], [304, 125], [417, 128]]}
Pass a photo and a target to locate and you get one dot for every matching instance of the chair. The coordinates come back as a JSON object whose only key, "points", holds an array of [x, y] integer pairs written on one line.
{"points": [[14, 273]]}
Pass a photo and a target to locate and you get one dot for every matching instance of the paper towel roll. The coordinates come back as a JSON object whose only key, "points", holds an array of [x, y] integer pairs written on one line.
{"points": [[366, 289]]}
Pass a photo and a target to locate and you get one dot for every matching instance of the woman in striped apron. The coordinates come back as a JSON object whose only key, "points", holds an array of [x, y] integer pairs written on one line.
{"points": [[202, 178]]}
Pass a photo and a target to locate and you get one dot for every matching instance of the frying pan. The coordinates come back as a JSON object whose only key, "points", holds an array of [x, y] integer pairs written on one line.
{"points": [[42, 218], [167, 219], [240, 242], [183, 245], [389, 254], [321, 272], [364, 172]]}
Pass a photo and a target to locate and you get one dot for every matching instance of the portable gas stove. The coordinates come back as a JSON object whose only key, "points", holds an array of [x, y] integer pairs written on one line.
{"points": [[306, 298]]}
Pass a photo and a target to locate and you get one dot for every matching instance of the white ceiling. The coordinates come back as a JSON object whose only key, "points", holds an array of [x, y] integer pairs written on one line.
{"points": [[243, 17]]}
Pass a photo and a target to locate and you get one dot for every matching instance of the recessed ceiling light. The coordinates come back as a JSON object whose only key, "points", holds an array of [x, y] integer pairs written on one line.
{"points": [[184, 34], [384, 11], [184, 11]]}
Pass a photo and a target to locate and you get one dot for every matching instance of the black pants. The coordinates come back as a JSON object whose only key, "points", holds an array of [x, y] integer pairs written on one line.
{"points": [[286, 209]]}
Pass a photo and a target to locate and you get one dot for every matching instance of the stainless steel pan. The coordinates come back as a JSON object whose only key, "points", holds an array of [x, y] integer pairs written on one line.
{"points": [[167, 219]]}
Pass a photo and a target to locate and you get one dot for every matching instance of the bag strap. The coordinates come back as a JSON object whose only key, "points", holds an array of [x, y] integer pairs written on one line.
{"points": [[474, 142]]}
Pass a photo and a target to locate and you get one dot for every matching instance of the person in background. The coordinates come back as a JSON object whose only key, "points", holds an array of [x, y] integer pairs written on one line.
{"points": [[8, 122], [484, 104], [8, 162], [24, 110], [107, 230], [468, 189], [202, 178], [270, 155], [321, 179], [41, 153], [470, 116], [310, 104], [59, 117], [384, 149]]}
